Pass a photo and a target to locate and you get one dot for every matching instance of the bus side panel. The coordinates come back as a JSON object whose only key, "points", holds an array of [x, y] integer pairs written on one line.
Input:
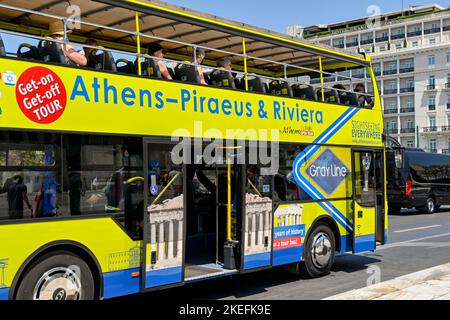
{"points": [[292, 223], [117, 254]]}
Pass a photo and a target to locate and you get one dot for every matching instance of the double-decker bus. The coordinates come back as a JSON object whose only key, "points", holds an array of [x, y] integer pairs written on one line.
{"points": [[260, 150]]}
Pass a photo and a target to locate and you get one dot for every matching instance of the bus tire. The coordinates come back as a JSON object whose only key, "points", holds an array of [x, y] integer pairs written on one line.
{"points": [[58, 275], [319, 252]]}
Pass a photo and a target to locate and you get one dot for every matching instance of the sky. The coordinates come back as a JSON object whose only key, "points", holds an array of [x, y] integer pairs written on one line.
{"points": [[278, 15]]}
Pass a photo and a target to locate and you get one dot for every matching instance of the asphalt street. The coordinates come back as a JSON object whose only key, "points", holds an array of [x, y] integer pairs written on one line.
{"points": [[416, 241]]}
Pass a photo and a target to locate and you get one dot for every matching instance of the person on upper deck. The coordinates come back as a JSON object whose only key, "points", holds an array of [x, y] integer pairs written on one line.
{"points": [[200, 57], [56, 31], [363, 100], [225, 64], [157, 51]]}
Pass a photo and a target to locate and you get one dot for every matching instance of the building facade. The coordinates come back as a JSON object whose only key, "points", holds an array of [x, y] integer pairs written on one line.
{"points": [[410, 52]]}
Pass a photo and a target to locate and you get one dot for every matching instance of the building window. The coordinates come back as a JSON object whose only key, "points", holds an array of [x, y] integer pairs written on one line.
{"points": [[417, 28], [448, 144], [432, 145], [448, 78], [431, 82], [410, 83], [448, 57], [431, 60], [410, 144], [432, 121], [410, 124], [448, 119], [410, 103], [448, 101], [432, 100]]}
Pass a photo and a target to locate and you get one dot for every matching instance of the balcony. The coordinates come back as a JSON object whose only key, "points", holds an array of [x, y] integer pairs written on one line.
{"points": [[445, 128], [381, 39], [446, 28], [407, 110], [390, 91], [397, 36], [339, 45], [392, 131], [359, 75], [366, 41], [377, 73], [407, 89], [389, 71], [415, 33], [447, 85], [446, 151], [432, 30], [406, 69], [431, 107], [390, 110], [407, 130], [429, 129], [432, 150], [431, 87], [352, 44]]}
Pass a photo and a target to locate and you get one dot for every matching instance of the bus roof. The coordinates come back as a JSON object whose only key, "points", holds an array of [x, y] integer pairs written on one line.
{"points": [[183, 25]]}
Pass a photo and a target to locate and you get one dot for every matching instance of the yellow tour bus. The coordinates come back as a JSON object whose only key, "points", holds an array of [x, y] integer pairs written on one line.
{"points": [[146, 146]]}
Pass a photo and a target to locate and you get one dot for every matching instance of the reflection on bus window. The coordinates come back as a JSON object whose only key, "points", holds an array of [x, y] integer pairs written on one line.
{"points": [[364, 179], [286, 189]]}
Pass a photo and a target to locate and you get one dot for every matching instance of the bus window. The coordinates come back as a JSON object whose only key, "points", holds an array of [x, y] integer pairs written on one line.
{"points": [[286, 189], [104, 175], [29, 175]]}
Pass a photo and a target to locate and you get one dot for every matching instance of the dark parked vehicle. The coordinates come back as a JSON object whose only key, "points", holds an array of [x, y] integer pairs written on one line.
{"points": [[416, 178]]}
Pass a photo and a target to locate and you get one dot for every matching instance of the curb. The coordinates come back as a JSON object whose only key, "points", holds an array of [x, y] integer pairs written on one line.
{"points": [[434, 283]]}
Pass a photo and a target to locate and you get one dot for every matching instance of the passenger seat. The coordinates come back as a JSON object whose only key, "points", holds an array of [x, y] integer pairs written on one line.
{"points": [[28, 51], [2, 47], [149, 68], [348, 98], [125, 66], [222, 78], [304, 91], [50, 51], [280, 88], [101, 61], [330, 95], [255, 85], [187, 73]]}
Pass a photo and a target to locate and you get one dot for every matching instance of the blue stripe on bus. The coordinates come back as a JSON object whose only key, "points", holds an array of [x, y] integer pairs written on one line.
{"points": [[161, 277], [120, 283], [365, 243], [308, 152], [257, 260], [4, 293], [288, 255]]}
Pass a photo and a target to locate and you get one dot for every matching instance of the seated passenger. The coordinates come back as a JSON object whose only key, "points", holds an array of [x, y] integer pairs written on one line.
{"points": [[363, 100], [156, 50], [56, 31], [225, 63], [89, 51], [200, 58]]}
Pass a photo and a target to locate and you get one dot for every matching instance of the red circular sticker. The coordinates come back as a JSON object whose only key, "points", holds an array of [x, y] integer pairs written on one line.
{"points": [[41, 95]]}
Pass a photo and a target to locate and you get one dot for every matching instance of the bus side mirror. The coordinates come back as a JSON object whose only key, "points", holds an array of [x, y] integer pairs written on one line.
{"points": [[399, 158]]}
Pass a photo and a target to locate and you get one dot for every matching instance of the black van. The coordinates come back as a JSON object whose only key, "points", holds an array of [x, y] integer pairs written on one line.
{"points": [[419, 179]]}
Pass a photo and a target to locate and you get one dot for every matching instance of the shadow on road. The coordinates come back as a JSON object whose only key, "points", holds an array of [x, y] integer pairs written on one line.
{"points": [[246, 285]]}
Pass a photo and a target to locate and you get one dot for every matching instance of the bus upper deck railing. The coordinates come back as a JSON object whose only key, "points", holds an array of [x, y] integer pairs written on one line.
{"points": [[321, 90]]}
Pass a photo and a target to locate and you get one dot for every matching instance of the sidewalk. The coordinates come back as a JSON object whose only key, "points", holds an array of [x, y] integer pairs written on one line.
{"points": [[429, 284]]}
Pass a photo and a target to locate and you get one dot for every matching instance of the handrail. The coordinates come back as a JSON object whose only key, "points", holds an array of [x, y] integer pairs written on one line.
{"points": [[195, 47]]}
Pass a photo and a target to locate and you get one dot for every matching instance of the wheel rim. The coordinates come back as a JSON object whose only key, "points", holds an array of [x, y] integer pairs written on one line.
{"points": [[430, 205], [58, 284], [321, 250]]}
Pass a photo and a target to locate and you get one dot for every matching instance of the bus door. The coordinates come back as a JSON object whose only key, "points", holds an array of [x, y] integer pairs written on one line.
{"points": [[380, 205], [164, 216], [258, 217], [364, 201]]}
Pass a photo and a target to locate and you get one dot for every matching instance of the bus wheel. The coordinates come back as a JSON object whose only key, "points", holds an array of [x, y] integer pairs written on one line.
{"points": [[57, 276], [319, 252]]}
